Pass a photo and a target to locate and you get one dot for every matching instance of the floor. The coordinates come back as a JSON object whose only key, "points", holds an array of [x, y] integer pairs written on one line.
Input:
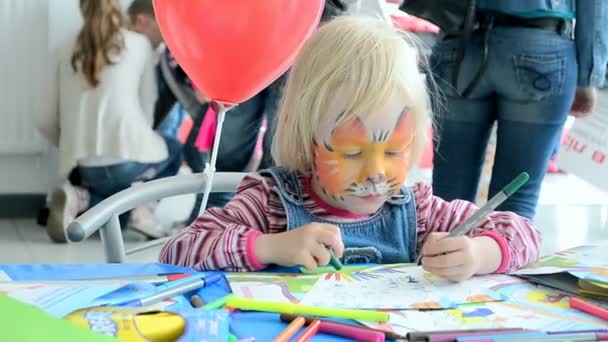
{"points": [[571, 212]]}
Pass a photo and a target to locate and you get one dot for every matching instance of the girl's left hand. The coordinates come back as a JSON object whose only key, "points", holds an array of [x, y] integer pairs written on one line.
{"points": [[456, 258]]}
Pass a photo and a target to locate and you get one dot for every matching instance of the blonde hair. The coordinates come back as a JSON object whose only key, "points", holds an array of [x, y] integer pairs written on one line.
{"points": [[365, 59], [99, 39]]}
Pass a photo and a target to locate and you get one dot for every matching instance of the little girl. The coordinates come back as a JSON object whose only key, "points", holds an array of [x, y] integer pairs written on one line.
{"points": [[351, 125]]}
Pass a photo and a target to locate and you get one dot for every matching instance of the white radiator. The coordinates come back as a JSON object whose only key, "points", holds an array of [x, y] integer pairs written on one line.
{"points": [[25, 73]]}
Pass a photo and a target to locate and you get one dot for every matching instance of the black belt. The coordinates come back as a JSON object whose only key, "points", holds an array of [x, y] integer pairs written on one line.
{"points": [[564, 27]]}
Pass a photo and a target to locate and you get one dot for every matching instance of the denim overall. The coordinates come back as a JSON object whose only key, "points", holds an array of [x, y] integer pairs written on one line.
{"points": [[388, 236]]}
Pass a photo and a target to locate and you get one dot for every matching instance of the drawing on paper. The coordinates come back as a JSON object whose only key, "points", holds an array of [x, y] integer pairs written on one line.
{"points": [[376, 272], [528, 306], [400, 288], [291, 287], [283, 287]]}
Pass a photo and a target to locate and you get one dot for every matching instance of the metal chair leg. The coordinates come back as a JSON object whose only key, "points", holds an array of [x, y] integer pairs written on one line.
{"points": [[111, 236]]}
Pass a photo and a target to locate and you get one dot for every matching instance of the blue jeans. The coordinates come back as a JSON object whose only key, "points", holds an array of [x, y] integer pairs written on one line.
{"points": [[105, 181], [171, 124], [527, 89]]}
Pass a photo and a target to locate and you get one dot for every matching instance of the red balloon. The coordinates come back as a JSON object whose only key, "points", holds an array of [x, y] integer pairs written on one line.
{"points": [[232, 49]]}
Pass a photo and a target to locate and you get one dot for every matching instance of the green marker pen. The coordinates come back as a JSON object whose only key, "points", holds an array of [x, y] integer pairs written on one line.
{"points": [[334, 260], [481, 214]]}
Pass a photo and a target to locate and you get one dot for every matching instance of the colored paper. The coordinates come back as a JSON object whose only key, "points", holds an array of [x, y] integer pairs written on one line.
{"points": [[400, 287], [25, 323]]}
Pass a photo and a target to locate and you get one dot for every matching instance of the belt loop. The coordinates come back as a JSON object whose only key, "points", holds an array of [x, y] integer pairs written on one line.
{"points": [[568, 28]]}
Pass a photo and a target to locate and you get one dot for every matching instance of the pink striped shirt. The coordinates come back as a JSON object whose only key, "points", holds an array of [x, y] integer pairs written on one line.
{"points": [[224, 238]]}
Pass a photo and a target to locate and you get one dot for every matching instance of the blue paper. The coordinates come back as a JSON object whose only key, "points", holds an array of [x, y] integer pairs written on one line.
{"points": [[125, 294]]}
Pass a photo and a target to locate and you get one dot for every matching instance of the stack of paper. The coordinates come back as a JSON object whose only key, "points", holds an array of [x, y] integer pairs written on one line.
{"points": [[581, 271], [593, 288]]}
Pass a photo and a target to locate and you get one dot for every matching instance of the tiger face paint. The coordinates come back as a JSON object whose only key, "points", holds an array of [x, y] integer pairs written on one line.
{"points": [[359, 163]]}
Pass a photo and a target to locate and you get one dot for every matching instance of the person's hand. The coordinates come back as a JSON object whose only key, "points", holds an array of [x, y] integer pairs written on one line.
{"points": [[456, 258], [306, 246], [584, 102]]}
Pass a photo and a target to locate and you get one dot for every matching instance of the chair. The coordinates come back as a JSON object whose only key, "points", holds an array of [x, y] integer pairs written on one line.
{"points": [[104, 216]]}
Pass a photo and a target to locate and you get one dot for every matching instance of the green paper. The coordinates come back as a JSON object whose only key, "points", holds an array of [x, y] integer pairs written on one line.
{"points": [[25, 323]]}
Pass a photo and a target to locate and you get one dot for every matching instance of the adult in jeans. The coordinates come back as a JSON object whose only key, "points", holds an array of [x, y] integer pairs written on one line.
{"points": [[534, 68], [107, 92]]}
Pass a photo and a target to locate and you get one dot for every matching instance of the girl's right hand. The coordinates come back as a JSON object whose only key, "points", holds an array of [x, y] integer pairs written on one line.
{"points": [[306, 246]]}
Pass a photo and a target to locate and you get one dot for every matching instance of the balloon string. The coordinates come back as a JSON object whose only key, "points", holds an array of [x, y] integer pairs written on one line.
{"points": [[209, 170], [210, 167]]}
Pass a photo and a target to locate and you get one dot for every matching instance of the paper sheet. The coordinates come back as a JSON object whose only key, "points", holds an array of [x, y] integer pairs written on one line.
{"points": [[530, 307], [289, 287], [400, 288], [57, 300]]}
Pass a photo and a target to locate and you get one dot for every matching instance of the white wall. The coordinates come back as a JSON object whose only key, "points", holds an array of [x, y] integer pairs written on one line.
{"points": [[30, 33]]}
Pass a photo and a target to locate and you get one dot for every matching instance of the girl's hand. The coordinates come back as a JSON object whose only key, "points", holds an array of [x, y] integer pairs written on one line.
{"points": [[456, 258], [306, 246]]}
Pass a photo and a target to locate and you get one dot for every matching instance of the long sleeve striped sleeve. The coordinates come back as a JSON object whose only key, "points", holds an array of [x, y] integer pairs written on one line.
{"points": [[518, 238], [224, 238]]}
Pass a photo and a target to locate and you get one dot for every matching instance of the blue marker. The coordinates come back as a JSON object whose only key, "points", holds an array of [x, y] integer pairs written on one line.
{"points": [[175, 288]]}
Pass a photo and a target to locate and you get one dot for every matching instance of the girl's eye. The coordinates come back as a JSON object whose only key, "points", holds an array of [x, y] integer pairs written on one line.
{"points": [[352, 155], [393, 153]]}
